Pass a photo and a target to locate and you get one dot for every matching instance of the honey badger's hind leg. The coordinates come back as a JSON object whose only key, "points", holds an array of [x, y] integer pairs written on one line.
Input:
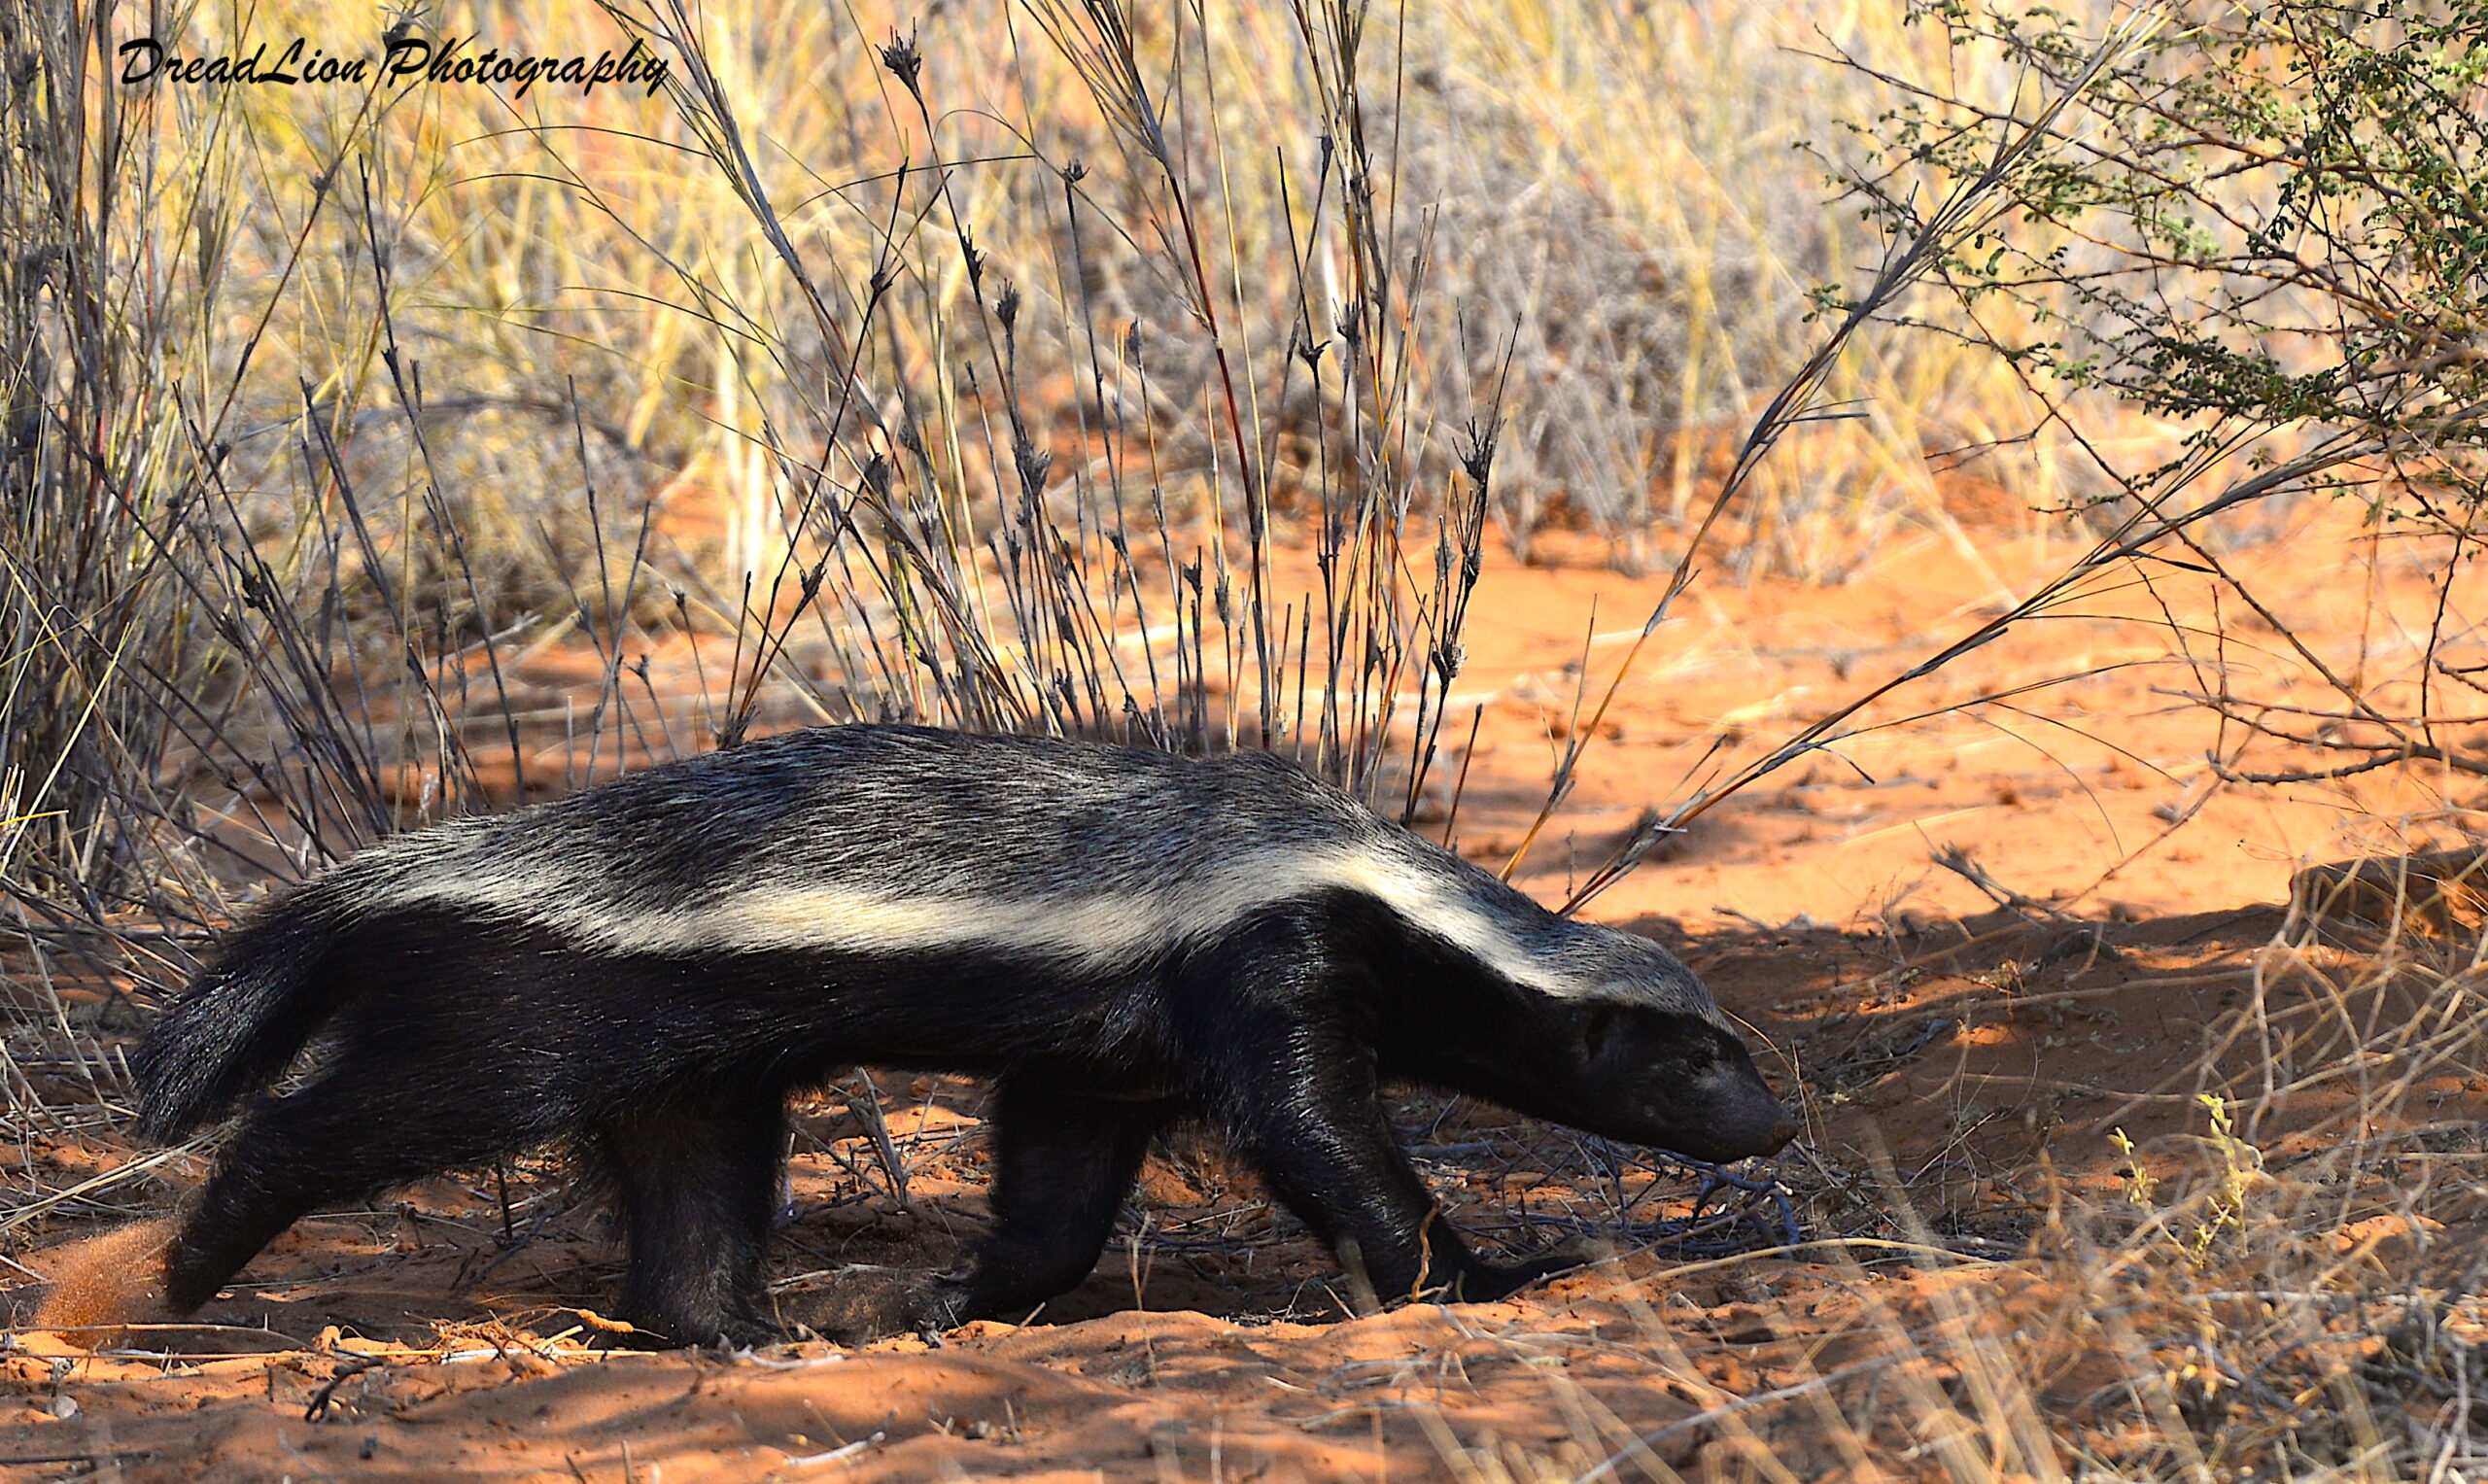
{"points": [[695, 1184], [366, 1125], [1062, 1166]]}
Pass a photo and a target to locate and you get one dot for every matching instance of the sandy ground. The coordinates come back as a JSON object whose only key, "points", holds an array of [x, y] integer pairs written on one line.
{"points": [[1958, 1043]]}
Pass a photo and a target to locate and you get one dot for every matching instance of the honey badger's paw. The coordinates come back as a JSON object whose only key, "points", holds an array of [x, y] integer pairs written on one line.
{"points": [[1486, 1282], [872, 1303]]}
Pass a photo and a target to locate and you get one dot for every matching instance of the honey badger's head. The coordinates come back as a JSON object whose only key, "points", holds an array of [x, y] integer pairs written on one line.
{"points": [[1628, 1045], [1680, 1081]]}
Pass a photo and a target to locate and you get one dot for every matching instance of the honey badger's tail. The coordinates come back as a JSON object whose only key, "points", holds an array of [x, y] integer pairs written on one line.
{"points": [[242, 1018]]}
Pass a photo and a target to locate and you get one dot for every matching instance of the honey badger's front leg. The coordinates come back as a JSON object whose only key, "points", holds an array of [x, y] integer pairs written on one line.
{"points": [[1316, 1130], [1289, 1043]]}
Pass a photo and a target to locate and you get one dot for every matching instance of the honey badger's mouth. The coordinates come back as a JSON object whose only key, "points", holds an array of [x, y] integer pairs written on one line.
{"points": [[1713, 1150]]}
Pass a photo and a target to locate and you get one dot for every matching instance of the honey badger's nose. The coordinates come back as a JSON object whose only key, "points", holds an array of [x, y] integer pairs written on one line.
{"points": [[1769, 1128], [1747, 1115]]}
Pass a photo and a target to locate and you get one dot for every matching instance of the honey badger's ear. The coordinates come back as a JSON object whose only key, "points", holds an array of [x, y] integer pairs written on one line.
{"points": [[1599, 1027]]}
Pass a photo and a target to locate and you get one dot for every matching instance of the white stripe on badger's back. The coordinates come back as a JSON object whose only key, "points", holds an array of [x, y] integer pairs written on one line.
{"points": [[1106, 931], [1102, 932], [899, 839]]}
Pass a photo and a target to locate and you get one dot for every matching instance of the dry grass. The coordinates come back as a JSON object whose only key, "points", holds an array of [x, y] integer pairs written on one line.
{"points": [[970, 373]]}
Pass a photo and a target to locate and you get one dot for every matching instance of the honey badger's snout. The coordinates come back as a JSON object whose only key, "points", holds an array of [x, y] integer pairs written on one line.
{"points": [[1740, 1115], [1680, 1082], [1715, 1107]]}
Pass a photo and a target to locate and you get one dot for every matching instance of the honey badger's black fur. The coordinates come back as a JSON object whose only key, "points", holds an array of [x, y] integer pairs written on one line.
{"points": [[1118, 938]]}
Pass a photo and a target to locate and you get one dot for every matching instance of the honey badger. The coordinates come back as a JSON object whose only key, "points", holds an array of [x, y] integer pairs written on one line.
{"points": [[1118, 938]]}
